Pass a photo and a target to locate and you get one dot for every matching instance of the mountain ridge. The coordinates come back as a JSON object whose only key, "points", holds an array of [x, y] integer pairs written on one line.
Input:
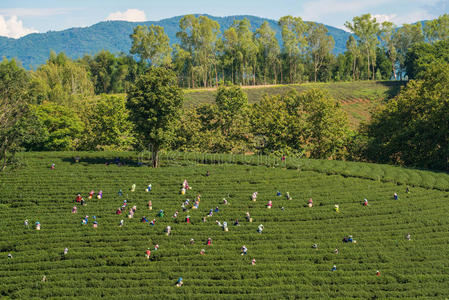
{"points": [[34, 49]]}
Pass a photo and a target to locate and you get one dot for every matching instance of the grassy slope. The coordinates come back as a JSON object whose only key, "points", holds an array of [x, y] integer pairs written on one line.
{"points": [[109, 261], [357, 98]]}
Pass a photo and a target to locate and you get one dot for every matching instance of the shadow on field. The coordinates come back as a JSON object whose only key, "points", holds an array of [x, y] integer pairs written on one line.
{"points": [[394, 87], [118, 161]]}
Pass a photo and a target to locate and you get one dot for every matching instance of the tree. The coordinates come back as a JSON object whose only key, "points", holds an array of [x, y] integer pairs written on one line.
{"points": [[151, 44], [107, 126], [387, 37], [354, 51], [269, 50], [59, 128], [320, 46], [61, 80], [293, 31], [437, 29], [14, 100], [154, 102], [420, 56], [413, 128], [407, 36], [366, 29]]}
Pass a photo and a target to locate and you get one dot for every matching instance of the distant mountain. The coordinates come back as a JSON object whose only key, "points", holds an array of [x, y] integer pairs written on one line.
{"points": [[34, 49]]}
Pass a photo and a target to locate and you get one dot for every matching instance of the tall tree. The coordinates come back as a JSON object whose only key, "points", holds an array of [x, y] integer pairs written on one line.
{"points": [[199, 36], [246, 51], [151, 44], [294, 39], [437, 29], [407, 36], [14, 99], [269, 50], [354, 51], [320, 46], [367, 29], [154, 102], [387, 37]]}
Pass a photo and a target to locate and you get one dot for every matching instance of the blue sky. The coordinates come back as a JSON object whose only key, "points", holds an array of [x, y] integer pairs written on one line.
{"points": [[20, 17]]}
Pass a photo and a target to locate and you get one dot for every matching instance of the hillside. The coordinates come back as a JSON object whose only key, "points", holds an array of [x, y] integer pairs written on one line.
{"points": [[109, 261], [356, 98], [33, 50]]}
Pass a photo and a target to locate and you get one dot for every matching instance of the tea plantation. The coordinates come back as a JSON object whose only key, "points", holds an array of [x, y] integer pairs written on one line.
{"points": [[109, 261]]}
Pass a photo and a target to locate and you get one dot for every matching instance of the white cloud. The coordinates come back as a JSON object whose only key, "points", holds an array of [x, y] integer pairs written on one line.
{"points": [[13, 28], [385, 18], [130, 15]]}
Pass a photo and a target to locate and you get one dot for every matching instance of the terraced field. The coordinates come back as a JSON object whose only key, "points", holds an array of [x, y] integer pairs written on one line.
{"points": [[109, 261]]}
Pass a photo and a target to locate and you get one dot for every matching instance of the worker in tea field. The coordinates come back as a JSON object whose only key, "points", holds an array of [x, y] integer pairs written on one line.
{"points": [[120, 192], [168, 230], [185, 185], [395, 196], [144, 219], [175, 215], [225, 226], [209, 242], [211, 213], [9, 255], [269, 204], [287, 195], [248, 217], [156, 247], [244, 250], [121, 223], [310, 203], [100, 195], [130, 214], [26, 224], [38, 225], [161, 213], [179, 283], [153, 222], [225, 202], [236, 223], [365, 202], [66, 250], [334, 268], [192, 241], [202, 251], [74, 210], [216, 209], [336, 208], [188, 219], [53, 166], [133, 187], [148, 189], [336, 251], [254, 196], [78, 198], [377, 273], [118, 211], [150, 205], [196, 204], [408, 237], [148, 253], [207, 173], [91, 194], [278, 194], [125, 203], [315, 246], [260, 228], [253, 262]]}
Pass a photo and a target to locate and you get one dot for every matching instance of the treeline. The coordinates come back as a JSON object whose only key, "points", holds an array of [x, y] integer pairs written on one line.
{"points": [[55, 108]]}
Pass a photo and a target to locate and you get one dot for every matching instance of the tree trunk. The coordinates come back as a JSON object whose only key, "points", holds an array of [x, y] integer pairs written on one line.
{"points": [[368, 66], [155, 157]]}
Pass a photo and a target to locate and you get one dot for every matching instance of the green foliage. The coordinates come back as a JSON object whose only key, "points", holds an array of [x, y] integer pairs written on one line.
{"points": [[412, 128], [59, 128], [61, 81], [106, 125], [421, 56], [310, 123], [14, 99], [151, 44], [154, 103]]}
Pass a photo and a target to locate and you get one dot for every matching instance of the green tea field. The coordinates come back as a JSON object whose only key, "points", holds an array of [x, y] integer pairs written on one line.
{"points": [[294, 255]]}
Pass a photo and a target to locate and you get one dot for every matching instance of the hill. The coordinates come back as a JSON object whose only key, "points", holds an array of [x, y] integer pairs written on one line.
{"points": [[357, 98], [33, 50], [109, 261]]}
